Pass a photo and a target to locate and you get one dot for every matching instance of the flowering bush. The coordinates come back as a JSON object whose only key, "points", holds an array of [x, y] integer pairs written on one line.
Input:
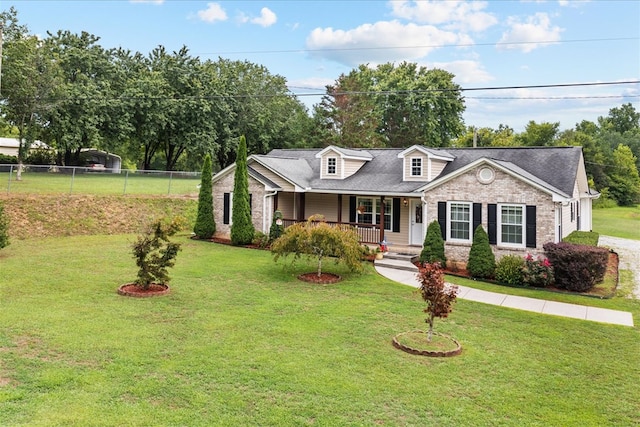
{"points": [[537, 272]]}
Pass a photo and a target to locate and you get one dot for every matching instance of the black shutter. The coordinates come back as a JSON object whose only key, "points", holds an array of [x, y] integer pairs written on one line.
{"points": [[225, 212], [396, 215], [492, 223], [250, 202], [352, 209], [531, 226], [442, 218], [477, 215]]}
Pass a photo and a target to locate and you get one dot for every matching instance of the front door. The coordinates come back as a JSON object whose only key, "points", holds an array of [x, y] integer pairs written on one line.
{"points": [[416, 218]]}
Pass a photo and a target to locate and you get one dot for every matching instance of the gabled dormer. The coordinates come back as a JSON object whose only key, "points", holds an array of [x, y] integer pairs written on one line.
{"points": [[423, 164], [341, 163]]}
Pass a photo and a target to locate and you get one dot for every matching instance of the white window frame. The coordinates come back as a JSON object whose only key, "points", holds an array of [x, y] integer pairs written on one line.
{"points": [[469, 206], [331, 160], [415, 167], [522, 225], [375, 211]]}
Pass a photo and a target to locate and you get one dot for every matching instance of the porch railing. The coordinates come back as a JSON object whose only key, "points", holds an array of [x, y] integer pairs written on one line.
{"points": [[368, 233]]}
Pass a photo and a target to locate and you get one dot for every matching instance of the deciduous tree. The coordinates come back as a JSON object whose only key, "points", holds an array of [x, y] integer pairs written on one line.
{"points": [[436, 293]]}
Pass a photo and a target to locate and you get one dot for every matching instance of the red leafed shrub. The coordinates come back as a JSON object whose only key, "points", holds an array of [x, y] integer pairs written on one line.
{"points": [[436, 293], [577, 267]]}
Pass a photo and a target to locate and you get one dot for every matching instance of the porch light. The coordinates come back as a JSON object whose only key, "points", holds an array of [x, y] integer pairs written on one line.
{"points": [[405, 202]]}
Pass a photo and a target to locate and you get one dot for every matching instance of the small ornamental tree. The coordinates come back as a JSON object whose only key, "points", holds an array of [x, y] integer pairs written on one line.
{"points": [[482, 261], [205, 225], [242, 230], [433, 248], [317, 239], [436, 293], [155, 253], [4, 227]]}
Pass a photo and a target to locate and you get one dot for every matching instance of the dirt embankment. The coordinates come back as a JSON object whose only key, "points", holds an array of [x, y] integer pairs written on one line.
{"points": [[37, 216]]}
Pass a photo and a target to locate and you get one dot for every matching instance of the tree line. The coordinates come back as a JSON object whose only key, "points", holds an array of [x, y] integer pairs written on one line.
{"points": [[168, 110]]}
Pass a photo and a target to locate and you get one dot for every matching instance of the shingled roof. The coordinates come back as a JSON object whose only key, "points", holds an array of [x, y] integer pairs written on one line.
{"points": [[554, 168]]}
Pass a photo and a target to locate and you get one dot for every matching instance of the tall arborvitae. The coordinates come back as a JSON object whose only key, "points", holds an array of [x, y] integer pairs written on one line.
{"points": [[205, 223], [242, 230]]}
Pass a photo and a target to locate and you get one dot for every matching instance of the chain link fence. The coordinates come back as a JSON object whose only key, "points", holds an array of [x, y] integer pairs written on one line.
{"points": [[95, 179]]}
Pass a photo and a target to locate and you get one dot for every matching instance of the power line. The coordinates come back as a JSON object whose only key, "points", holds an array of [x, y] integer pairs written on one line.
{"points": [[427, 46]]}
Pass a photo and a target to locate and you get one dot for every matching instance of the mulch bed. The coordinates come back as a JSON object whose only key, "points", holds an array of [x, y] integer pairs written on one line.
{"points": [[323, 279], [133, 290]]}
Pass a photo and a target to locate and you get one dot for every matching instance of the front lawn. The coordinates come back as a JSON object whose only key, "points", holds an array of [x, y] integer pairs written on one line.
{"points": [[240, 341]]}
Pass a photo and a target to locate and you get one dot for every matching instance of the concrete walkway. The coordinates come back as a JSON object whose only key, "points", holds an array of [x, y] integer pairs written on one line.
{"points": [[400, 269], [629, 252]]}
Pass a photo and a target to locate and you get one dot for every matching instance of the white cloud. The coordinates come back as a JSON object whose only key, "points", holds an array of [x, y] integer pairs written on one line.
{"points": [[461, 15], [465, 71], [266, 19], [385, 41], [534, 32], [213, 12]]}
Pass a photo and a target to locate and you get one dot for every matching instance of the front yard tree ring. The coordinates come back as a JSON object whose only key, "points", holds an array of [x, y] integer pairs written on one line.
{"points": [[136, 291], [322, 279], [445, 346]]}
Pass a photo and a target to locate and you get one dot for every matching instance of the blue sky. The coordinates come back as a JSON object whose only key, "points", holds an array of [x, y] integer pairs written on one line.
{"points": [[310, 43]]}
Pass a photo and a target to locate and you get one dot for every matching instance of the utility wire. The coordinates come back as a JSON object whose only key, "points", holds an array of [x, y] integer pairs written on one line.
{"points": [[429, 46]]}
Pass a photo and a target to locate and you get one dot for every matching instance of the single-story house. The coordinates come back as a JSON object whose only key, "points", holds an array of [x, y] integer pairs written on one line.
{"points": [[524, 197], [9, 146]]}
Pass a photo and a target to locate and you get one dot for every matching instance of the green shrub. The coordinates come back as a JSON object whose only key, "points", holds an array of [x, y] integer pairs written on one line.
{"points": [[277, 227], [4, 227], [509, 270], [261, 240], [40, 157], [589, 238], [8, 160], [433, 247], [605, 200], [482, 261], [205, 225], [577, 267], [155, 253]]}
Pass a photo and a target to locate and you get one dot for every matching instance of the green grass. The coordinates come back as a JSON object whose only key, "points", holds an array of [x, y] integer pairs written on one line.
{"points": [[618, 222], [240, 341], [100, 183]]}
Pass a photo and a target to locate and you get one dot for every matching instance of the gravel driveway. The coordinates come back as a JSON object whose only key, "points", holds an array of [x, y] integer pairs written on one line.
{"points": [[629, 252]]}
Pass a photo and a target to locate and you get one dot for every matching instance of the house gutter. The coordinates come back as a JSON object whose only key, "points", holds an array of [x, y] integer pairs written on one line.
{"points": [[264, 209]]}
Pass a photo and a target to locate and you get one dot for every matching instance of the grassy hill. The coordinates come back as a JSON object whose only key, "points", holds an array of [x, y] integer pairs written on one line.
{"points": [[38, 216]]}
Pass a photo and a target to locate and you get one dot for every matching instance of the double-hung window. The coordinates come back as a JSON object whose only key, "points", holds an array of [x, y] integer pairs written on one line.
{"points": [[367, 207], [416, 166], [512, 225], [459, 216], [331, 165]]}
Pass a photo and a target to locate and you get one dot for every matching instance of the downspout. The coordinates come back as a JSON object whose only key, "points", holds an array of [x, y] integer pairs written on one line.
{"points": [[264, 210]]}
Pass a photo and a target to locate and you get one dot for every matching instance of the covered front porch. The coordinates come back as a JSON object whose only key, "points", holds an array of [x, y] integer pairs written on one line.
{"points": [[397, 220]]}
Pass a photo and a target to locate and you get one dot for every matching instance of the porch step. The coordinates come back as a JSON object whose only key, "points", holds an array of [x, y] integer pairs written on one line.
{"points": [[397, 262]]}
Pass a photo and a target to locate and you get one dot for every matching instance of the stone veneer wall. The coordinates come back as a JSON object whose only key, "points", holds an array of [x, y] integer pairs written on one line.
{"points": [[225, 185], [503, 189]]}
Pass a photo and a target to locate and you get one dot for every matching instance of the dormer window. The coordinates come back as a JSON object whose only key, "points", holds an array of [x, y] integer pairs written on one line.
{"points": [[331, 165], [416, 166]]}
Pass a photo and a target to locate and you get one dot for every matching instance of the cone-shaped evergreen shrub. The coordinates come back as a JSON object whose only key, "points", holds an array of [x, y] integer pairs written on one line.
{"points": [[277, 227], [482, 262], [242, 230], [433, 248], [205, 225], [4, 226]]}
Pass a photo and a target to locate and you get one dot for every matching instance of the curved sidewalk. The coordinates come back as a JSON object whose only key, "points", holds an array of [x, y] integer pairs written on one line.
{"points": [[405, 272]]}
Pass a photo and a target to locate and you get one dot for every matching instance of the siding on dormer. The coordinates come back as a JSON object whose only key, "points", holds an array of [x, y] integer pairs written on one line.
{"points": [[324, 162], [407, 166]]}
